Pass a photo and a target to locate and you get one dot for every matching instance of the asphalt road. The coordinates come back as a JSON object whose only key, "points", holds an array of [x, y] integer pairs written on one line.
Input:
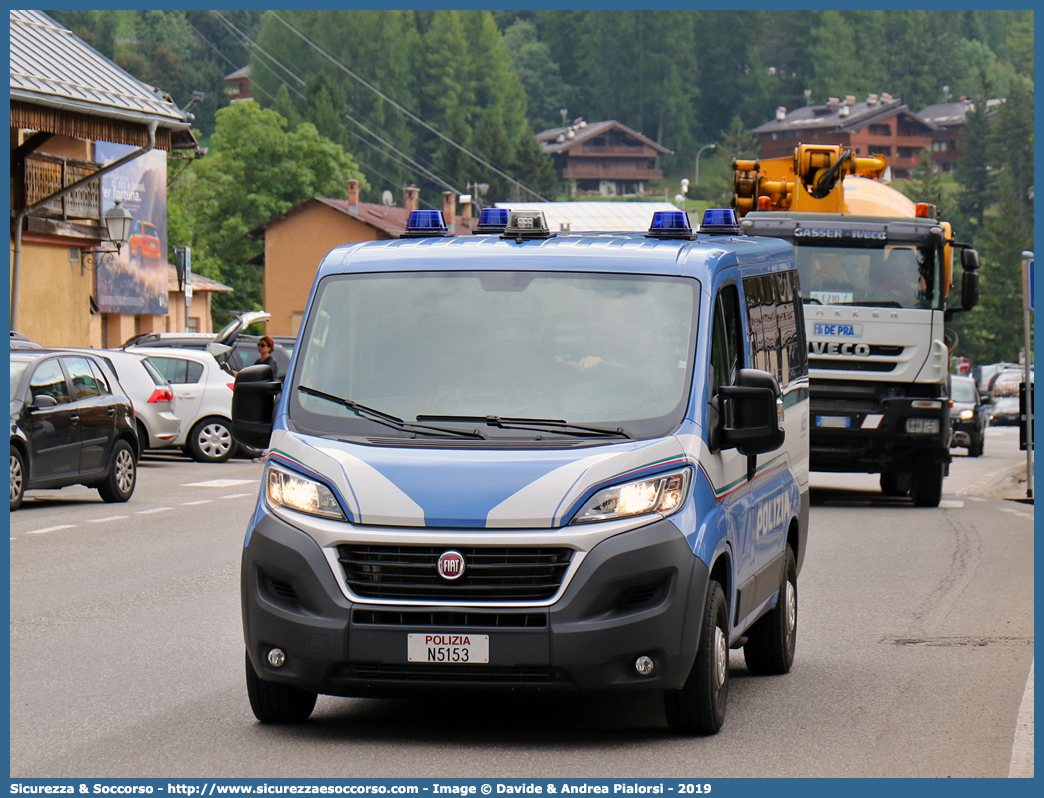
{"points": [[914, 646]]}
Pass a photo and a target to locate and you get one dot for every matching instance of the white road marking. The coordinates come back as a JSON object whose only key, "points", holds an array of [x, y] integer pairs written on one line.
{"points": [[951, 504], [218, 483], [1021, 766], [236, 495], [49, 529], [201, 501], [103, 520], [154, 510]]}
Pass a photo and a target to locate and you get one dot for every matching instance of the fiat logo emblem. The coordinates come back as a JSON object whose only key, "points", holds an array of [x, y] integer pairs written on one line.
{"points": [[451, 565]]}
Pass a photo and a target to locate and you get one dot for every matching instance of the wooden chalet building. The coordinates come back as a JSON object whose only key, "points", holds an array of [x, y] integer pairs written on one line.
{"points": [[879, 125], [603, 158]]}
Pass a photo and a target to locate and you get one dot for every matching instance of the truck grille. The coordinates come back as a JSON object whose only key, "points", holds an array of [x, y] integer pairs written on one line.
{"points": [[491, 574]]}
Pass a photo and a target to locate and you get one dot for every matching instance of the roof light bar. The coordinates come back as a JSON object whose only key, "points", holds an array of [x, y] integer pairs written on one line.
{"points": [[492, 220], [522, 225], [720, 222], [670, 225], [426, 224]]}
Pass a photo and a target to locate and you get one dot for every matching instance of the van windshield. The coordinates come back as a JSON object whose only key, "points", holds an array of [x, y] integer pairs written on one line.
{"points": [[608, 351]]}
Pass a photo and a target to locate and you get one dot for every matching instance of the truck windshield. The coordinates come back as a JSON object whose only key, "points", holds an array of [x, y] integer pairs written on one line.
{"points": [[481, 349], [897, 275]]}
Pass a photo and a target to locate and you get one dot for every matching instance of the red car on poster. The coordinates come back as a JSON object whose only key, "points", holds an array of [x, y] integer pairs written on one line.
{"points": [[144, 243]]}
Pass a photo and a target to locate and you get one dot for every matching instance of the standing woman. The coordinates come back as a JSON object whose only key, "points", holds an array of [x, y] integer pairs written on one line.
{"points": [[265, 347]]}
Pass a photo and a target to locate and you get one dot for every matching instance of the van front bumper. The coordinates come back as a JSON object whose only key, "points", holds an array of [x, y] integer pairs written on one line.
{"points": [[639, 593]]}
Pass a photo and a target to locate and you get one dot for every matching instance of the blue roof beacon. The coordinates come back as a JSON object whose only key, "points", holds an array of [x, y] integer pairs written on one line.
{"points": [[527, 461]]}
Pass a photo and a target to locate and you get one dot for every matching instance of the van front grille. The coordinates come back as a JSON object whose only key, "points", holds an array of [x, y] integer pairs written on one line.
{"points": [[491, 574]]}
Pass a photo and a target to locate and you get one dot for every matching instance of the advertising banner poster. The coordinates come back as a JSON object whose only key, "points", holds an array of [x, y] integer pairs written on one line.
{"points": [[134, 280]]}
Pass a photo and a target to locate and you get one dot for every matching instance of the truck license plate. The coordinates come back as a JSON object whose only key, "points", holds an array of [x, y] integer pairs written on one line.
{"points": [[450, 648], [839, 422]]}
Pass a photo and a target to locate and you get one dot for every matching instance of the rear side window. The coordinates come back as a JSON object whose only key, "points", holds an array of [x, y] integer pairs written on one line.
{"points": [[49, 379], [85, 384], [99, 375], [177, 370], [157, 378]]}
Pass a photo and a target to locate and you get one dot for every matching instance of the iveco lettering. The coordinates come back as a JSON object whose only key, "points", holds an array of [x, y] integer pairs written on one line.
{"points": [[519, 460]]}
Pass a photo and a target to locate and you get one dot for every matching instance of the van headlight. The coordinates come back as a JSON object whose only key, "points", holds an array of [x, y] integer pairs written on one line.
{"points": [[287, 489], [664, 494]]}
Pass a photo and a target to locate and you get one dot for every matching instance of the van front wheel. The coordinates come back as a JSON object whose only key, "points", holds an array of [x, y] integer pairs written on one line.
{"points": [[699, 707], [273, 702]]}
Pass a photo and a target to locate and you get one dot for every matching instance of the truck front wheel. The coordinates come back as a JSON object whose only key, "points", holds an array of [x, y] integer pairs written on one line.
{"points": [[926, 486]]}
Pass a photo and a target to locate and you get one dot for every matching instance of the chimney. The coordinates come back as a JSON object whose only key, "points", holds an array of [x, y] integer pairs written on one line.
{"points": [[886, 97], [845, 110], [871, 99], [353, 196], [449, 211], [465, 212], [781, 113], [411, 201], [850, 99], [833, 102]]}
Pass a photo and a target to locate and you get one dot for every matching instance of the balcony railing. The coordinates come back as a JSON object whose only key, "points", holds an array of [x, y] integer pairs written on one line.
{"points": [[46, 174]]}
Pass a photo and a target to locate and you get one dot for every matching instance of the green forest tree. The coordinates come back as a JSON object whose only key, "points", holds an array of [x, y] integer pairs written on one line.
{"points": [[256, 170]]}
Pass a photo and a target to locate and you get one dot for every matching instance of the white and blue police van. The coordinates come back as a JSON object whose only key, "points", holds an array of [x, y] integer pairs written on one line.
{"points": [[531, 461]]}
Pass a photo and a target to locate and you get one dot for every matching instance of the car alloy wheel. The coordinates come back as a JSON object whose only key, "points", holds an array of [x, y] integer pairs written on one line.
{"points": [[124, 470]]}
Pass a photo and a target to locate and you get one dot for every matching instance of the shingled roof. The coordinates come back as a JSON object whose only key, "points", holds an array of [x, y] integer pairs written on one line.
{"points": [[841, 117], [551, 145], [60, 84]]}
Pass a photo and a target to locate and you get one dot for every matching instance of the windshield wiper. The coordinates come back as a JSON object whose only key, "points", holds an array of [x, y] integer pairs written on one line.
{"points": [[387, 418], [536, 425]]}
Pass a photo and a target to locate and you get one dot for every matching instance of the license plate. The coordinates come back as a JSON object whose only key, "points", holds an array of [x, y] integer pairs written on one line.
{"points": [[840, 422], [449, 648]]}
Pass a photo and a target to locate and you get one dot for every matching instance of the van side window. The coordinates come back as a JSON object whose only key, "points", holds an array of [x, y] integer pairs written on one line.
{"points": [[775, 323], [726, 346]]}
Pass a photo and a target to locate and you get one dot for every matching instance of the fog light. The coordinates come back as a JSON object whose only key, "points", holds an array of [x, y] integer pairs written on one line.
{"points": [[276, 657], [644, 665], [922, 426]]}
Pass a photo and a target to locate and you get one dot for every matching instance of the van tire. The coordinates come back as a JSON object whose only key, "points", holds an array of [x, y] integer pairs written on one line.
{"points": [[926, 485], [699, 707], [772, 639], [273, 702]]}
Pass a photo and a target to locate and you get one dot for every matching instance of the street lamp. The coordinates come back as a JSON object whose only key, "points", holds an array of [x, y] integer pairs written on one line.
{"points": [[118, 223], [696, 181]]}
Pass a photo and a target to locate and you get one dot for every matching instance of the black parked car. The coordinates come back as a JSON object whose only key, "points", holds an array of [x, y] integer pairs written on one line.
{"points": [[967, 416], [71, 424]]}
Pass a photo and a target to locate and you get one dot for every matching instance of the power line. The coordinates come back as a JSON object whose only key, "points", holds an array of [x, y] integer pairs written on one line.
{"points": [[394, 104], [251, 45], [432, 175]]}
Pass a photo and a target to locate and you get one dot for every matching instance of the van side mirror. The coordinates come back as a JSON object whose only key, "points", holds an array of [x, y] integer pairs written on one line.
{"points": [[758, 404], [253, 405]]}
